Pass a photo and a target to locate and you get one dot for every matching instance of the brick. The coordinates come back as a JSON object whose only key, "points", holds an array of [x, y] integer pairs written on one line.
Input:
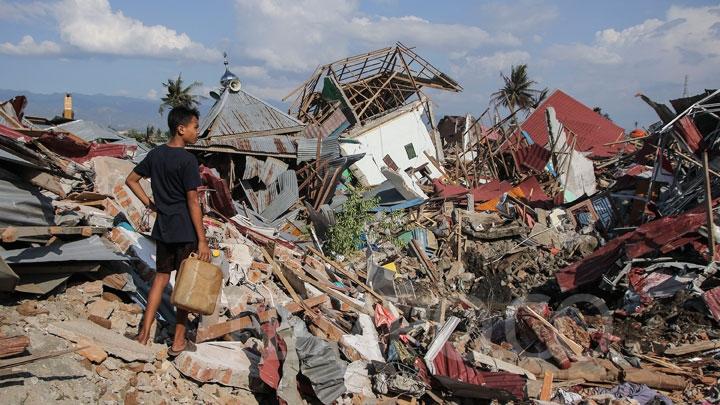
{"points": [[92, 352], [226, 363], [101, 308]]}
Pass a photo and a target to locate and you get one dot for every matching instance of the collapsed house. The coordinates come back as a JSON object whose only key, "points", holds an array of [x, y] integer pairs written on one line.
{"points": [[472, 299], [381, 93]]}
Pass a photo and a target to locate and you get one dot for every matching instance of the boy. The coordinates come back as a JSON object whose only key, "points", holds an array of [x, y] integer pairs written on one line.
{"points": [[178, 229]]}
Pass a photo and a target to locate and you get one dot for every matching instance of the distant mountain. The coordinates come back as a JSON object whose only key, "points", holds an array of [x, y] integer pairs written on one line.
{"points": [[117, 112]]}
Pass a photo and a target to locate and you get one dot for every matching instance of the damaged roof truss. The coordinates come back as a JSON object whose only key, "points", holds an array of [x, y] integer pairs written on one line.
{"points": [[368, 84]]}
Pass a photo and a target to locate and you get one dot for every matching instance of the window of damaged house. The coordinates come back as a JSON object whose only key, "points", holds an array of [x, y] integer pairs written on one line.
{"points": [[410, 151]]}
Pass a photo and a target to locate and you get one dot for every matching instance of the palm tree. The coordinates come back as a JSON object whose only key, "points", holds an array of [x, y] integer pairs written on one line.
{"points": [[518, 93], [178, 95]]}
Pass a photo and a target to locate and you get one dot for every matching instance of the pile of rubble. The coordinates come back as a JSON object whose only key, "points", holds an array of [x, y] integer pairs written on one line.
{"points": [[558, 259]]}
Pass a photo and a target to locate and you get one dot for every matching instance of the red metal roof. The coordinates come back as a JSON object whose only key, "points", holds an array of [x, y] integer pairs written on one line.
{"points": [[712, 300], [662, 235], [12, 134], [449, 363], [687, 129], [533, 157], [592, 129]]}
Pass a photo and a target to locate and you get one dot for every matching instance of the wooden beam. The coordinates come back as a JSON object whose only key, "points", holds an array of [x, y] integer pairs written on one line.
{"points": [[546, 391], [223, 328], [346, 273], [693, 347], [279, 274], [576, 348], [13, 233], [378, 92]]}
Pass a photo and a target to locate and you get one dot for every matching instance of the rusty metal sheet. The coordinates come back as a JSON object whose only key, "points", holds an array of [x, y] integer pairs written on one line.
{"points": [[266, 145], [712, 300], [240, 112], [662, 235]]}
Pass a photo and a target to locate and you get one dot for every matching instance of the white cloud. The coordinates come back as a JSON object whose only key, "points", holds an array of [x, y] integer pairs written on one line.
{"points": [[519, 16], [653, 57], [28, 47], [302, 34], [152, 94], [25, 12], [491, 65], [594, 54], [250, 72], [93, 26], [685, 39]]}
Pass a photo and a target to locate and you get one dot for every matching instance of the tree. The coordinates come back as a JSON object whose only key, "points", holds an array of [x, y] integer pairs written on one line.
{"points": [[517, 92], [178, 95]]}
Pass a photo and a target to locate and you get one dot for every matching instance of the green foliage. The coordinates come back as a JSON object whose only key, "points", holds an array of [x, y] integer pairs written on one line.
{"points": [[150, 136], [517, 92], [386, 227], [345, 236], [178, 94]]}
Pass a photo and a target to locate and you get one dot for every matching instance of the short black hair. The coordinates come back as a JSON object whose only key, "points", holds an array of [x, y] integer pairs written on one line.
{"points": [[181, 115]]}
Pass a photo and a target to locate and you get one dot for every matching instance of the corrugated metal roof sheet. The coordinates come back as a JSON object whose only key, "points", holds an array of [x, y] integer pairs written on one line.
{"points": [[712, 300], [662, 235], [238, 113], [21, 204], [330, 126], [487, 384], [88, 249], [7, 156], [267, 171], [268, 145], [88, 130], [307, 149], [592, 129], [534, 157], [12, 134]]}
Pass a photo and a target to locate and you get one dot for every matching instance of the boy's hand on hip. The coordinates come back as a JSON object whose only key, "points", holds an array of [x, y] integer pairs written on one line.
{"points": [[204, 251]]}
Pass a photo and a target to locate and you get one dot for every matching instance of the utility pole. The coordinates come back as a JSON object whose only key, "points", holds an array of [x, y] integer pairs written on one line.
{"points": [[685, 91]]}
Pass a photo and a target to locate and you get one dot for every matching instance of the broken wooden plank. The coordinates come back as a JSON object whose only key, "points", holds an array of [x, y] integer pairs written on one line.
{"points": [[347, 274], [546, 391], [35, 357], [217, 330], [279, 274], [12, 345], [498, 364], [223, 328], [13, 233], [335, 294], [293, 307], [693, 347], [424, 260], [329, 329], [576, 348]]}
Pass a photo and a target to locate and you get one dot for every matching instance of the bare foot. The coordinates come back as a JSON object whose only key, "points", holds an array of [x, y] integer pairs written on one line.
{"points": [[142, 338]]}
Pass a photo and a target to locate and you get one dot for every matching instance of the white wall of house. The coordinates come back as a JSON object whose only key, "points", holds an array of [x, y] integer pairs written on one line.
{"points": [[391, 138]]}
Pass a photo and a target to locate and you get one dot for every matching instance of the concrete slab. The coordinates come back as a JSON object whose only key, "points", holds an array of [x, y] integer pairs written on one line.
{"points": [[112, 342]]}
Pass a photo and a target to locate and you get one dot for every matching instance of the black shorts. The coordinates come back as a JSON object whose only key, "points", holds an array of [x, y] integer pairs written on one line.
{"points": [[170, 255]]}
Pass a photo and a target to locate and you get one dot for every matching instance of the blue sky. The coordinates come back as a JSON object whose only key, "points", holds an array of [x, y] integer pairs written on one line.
{"points": [[600, 52]]}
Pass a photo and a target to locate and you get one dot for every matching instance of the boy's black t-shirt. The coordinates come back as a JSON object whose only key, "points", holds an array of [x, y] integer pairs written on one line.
{"points": [[172, 172]]}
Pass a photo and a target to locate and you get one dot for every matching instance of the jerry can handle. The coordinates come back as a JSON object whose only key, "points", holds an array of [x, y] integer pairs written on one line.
{"points": [[193, 255]]}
